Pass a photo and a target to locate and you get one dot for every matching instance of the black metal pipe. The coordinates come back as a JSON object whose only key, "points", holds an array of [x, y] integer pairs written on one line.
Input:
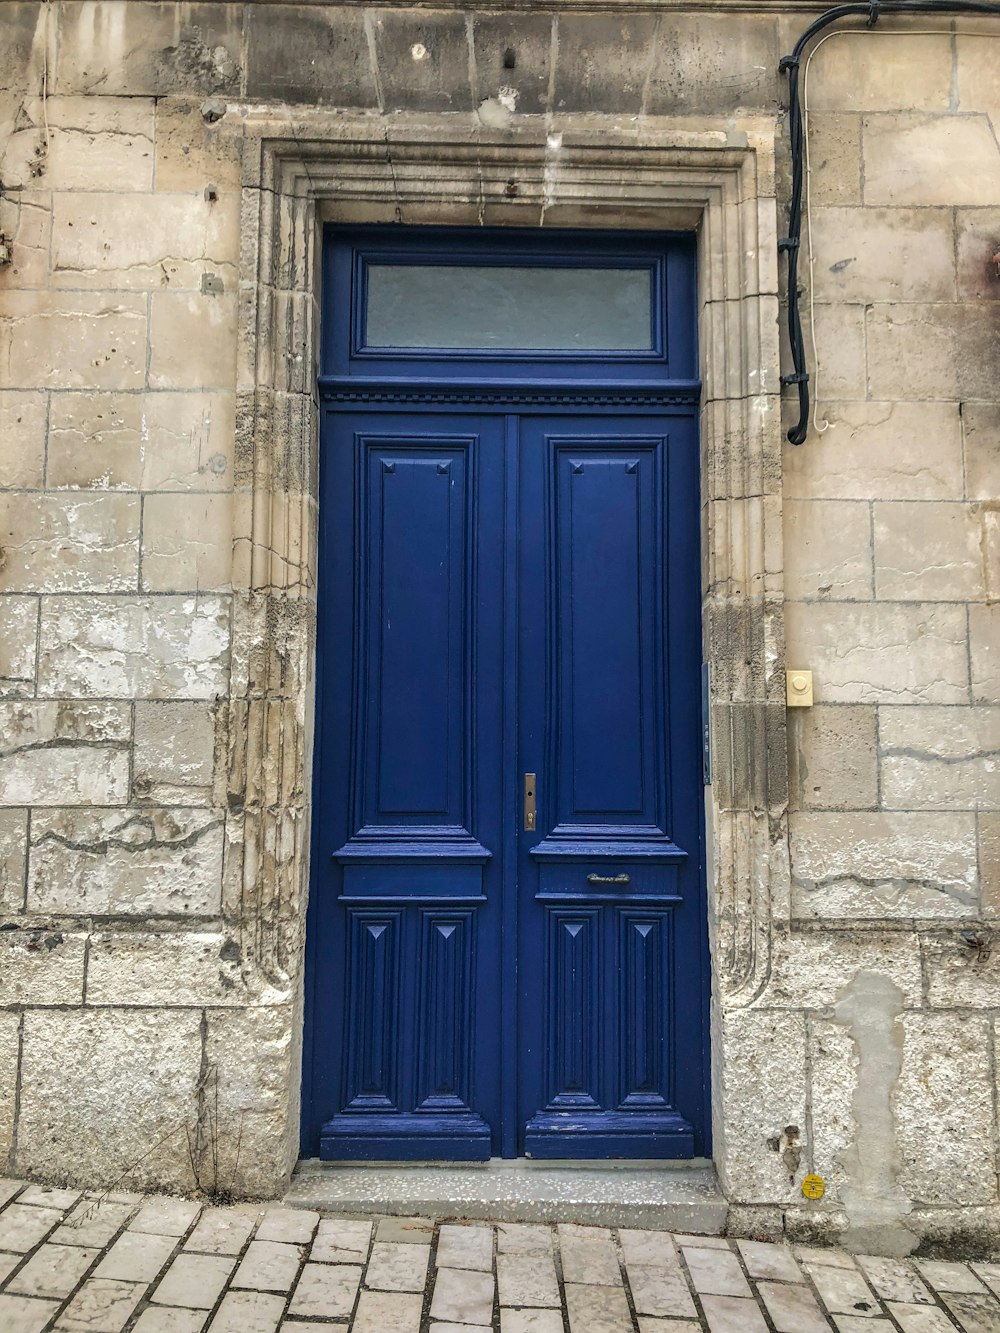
{"points": [[790, 244]]}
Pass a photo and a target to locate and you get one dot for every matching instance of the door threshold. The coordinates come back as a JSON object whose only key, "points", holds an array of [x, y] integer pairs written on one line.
{"points": [[653, 1195]]}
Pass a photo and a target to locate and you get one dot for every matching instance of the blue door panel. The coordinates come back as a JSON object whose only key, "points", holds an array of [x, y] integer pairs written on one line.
{"points": [[508, 590]]}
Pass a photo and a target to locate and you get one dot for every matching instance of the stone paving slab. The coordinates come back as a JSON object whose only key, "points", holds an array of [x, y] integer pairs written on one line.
{"points": [[130, 1264]]}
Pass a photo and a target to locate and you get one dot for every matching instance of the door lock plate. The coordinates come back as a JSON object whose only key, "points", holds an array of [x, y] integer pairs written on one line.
{"points": [[530, 813]]}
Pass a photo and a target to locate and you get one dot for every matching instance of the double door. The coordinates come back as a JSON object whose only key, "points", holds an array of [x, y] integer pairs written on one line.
{"points": [[507, 949]]}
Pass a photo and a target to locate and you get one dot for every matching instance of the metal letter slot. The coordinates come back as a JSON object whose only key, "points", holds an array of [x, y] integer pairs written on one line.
{"points": [[608, 879], [529, 802]]}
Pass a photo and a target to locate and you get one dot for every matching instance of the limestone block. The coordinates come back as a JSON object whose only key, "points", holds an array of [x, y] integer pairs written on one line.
{"points": [[22, 439], [134, 647], [300, 53], [13, 859], [174, 752], [761, 1060], [143, 241], [107, 1096], [27, 219], [120, 46], [881, 652], [833, 1074], [72, 340], [982, 450], [884, 254], [10, 1026], [55, 543], [94, 441], [885, 451], [943, 1108], [603, 62], [192, 152], [187, 441], [984, 650], [253, 1063], [840, 350], [827, 549], [193, 341], [525, 39], [18, 645], [110, 862], [928, 552], [904, 72], [834, 157], [926, 160], [809, 968], [164, 969], [64, 753], [940, 758], [978, 230], [423, 60], [187, 543], [91, 139], [863, 865], [705, 63], [832, 762], [41, 967], [978, 75], [958, 976], [989, 864]]}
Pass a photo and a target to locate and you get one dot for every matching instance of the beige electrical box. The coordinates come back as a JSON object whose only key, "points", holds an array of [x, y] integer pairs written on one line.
{"points": [[799, 689]]}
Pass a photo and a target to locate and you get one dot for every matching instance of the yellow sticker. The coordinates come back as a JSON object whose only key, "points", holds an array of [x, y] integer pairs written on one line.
{"points": [[814, 1187]]}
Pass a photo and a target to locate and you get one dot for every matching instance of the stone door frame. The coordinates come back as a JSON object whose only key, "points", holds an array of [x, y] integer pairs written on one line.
{"points": [[318, 166]]}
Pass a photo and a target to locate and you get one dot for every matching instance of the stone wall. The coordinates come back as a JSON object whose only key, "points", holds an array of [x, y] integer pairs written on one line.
{"points": [[156, 518]]}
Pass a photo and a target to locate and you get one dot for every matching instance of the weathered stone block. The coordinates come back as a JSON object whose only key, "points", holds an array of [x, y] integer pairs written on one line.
{"points": [[840, 340], [833, 1072], [165, 969], [984, 650], [253, 1062], [187, 543], [192, 341], [65, 753], [54, 543], [303, 53], [809, 968], [143, 241], [832, 758], [925, 160], [928, 552], [977, 74], [175, 747], [959, 976], [761, 1063], [103, 862], [603, 62], [18, 645], [989, 863], [856, 72], [41, 967], [884, 254], [513, 60], [188, 441], [13, 859], [834, 157], [863, 865], [884, 451], [138, 647], [978, 230], [109, 1096], [881, 652], [92, 138], [124, 47], [982, 450], [27, 219], [22, 439], [73, 340], [940, 758], [191, 152], [827, 549], [10, 1026], [706, 64], [423, 60], [943, 1110], [95, 441]]}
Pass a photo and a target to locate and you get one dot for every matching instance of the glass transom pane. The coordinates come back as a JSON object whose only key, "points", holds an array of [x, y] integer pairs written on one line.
{"points": [[509, 308]]}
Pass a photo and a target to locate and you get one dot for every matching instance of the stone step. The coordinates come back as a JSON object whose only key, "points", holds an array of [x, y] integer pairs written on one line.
{"points": [[658, 1196]]}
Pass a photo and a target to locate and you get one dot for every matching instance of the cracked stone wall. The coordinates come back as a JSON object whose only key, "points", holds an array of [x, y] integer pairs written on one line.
{"points": [[154, 703]]}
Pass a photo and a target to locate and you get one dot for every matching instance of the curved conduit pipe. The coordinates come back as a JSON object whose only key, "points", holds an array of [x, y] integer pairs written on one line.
{"points": [[789, 245]]}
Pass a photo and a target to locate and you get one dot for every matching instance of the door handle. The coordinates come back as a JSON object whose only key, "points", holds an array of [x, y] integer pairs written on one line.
{"points": [[530, 814]]}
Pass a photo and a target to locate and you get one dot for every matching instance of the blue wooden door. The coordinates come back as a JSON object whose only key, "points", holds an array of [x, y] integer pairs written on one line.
{"points": [[506, 944]]}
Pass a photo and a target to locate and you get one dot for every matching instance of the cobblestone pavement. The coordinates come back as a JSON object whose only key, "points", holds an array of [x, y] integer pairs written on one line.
{"points": [[160, 1265]]}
